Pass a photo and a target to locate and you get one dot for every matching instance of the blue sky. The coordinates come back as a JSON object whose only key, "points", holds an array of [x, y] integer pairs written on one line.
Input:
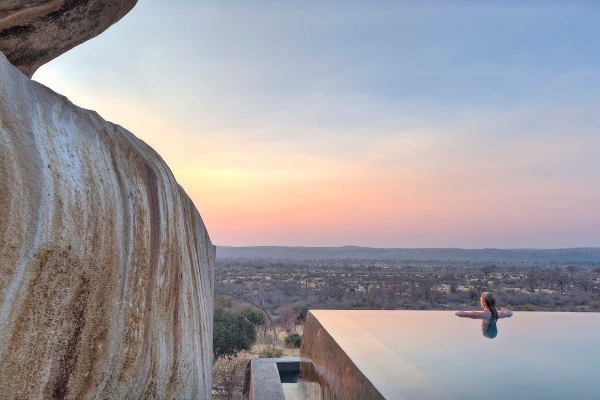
{"points": [[402, 124]]}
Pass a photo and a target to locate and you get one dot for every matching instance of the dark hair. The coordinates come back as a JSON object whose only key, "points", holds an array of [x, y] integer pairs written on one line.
{"points": [[490, 301]]}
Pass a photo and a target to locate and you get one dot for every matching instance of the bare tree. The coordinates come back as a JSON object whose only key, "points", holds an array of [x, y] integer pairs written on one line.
{"points": [[559, 278], [379, 279], [334, 287], [487, 269], [339, 288], [426, 284], [532, 278], [288, 318], [572, 269], [288, 289], [586, 283], [393, 289], [452, 282], [366, 282], [479, 286], [307, 280], [412, 289]]}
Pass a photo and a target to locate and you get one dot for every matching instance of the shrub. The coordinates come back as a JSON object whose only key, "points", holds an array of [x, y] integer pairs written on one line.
{"points": [[528, 308], [232, 333], [268, 353], [293, 339], [253, 315]]}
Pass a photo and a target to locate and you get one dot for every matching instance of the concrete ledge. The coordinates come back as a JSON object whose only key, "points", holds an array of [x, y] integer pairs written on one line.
{"points": [[262, 381]]}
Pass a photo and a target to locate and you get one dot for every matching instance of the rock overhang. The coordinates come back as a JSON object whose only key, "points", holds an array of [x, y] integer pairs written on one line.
{"points": [[34, 32]]}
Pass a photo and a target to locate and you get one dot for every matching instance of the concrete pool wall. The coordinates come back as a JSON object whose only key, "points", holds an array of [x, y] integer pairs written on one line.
{"points": [[327, 370]]}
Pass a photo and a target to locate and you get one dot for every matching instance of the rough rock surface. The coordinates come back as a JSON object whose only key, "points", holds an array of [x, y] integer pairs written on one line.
{"points": [[106, 268], [33, 32]]}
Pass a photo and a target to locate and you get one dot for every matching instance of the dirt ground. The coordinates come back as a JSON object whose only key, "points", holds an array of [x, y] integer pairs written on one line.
{"points": [[263, 343]]}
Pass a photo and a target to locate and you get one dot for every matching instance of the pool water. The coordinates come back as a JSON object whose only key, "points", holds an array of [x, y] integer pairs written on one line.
{"points": [[530, 355], [293, 388]]}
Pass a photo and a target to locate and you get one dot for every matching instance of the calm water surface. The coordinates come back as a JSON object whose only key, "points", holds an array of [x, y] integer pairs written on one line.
{"points": [[293, 389], [527, 356]]}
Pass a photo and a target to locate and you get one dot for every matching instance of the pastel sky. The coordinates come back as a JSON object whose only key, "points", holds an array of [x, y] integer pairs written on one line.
{"points": [[372, 123]]}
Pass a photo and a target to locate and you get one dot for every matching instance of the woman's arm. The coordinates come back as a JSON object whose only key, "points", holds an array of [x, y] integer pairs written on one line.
{"points": [[505, 313], [471, 314]]}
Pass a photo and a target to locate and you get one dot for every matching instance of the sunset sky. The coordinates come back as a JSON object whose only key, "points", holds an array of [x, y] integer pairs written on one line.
{"points": [[379, 123]]}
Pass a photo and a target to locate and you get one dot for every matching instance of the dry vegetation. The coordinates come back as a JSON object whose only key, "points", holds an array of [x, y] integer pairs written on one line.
{"points": [[293, 287]]}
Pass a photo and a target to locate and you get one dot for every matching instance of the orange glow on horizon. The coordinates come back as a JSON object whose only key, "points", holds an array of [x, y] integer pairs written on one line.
{"points": [[408, 189]]}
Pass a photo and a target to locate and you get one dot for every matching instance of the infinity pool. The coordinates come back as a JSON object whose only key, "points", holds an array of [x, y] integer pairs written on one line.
{"points": [[435, 354]]}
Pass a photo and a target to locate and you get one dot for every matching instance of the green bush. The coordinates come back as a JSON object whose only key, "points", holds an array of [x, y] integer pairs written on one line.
{"points": [[231, 333], [293, 339], [528, 308], [253, 315]]}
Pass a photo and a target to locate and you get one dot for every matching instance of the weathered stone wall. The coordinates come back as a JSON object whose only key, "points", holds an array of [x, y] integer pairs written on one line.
{"points": [[106, 268]]}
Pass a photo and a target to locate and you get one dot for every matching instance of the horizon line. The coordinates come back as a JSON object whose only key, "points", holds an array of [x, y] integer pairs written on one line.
{"points": [[414, 248]]}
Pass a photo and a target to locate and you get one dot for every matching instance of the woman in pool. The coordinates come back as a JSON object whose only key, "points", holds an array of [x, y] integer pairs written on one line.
{"points": [[488, 303]]}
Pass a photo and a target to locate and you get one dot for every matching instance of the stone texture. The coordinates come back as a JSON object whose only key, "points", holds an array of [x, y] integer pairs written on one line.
{"points": [[265, 383], [106, 268], [33, 32]]}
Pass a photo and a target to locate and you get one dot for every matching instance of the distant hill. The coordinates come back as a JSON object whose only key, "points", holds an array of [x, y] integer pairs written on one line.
{"points": [[583, 254]]}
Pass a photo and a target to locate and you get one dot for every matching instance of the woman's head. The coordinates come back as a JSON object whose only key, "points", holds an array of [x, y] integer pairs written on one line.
{"points": [[488, 302]]}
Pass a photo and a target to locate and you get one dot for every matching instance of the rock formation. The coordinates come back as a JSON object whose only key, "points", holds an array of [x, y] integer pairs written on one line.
{"points": [[106, 268], [33, 32]]}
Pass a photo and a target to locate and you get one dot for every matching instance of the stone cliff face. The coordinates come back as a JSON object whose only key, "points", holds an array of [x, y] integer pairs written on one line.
{"points": [[33, 32], [106, 268]]}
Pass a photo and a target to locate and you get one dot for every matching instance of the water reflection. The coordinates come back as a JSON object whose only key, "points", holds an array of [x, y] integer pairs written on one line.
{"points": [[489, 328]]}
